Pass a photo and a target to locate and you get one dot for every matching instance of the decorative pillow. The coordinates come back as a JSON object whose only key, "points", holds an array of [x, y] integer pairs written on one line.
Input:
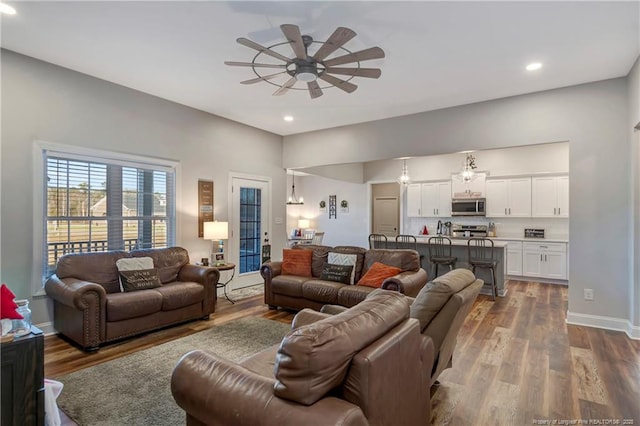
{"points": [[296, 262], [137, 281], [377, 274], [338, 273], [140, 279], [344, 259]]}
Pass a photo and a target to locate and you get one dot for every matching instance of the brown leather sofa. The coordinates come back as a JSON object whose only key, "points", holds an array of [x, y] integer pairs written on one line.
{"points": [[296, 292], [441, 307], [366, 366], [90, 310]]}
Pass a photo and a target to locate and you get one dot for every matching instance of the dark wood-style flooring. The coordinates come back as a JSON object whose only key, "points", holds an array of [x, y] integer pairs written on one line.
{"points": [[516, 363]]}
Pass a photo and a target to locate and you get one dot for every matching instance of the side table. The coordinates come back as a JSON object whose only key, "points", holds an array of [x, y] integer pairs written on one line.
{"points": [[226, 267], [22, 398]]}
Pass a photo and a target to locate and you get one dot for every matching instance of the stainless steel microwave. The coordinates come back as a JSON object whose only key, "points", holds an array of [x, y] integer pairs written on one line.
{"points": [[468, 207]]}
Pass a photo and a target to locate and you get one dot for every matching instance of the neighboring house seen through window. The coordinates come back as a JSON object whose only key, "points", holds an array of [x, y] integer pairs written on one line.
{"points": [[98, 204]]}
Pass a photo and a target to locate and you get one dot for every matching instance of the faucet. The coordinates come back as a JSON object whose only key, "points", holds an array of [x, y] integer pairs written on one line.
{"points": [[439, 228]]}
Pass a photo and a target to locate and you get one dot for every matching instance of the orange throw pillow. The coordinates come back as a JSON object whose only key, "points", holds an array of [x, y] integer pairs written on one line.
{"points": [[296, 262], [377, 274]]}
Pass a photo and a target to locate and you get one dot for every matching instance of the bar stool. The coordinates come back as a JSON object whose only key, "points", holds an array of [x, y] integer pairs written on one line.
{"points": [[481, 254], [440, 253], [408, 242], [377, 241]]}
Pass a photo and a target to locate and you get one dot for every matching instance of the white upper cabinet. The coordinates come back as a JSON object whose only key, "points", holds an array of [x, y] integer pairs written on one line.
{"points": [[509, 197], [550, 195], [431, 199], [474, 189]]}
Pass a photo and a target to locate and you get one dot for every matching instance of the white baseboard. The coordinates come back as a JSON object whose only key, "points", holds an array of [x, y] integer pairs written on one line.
{"points": [[47, 328], [607, 323]]}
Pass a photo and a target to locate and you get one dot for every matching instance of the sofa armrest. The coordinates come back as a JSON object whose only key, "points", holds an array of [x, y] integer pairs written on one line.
{"points": [[333, 309], [270, 270], [307, 316], [75, 293], [218, 392], [199, 274], [408, 282]]}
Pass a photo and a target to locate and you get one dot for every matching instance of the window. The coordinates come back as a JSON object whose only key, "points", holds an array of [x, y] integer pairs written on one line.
{"points": [[100, 203], [250, 222]]}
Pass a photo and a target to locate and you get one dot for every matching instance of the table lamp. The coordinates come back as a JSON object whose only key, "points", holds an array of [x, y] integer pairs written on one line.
{"points": [[216, 231], [303, 223]]}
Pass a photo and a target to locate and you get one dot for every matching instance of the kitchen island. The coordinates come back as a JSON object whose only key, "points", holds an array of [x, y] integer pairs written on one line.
{"points": [[459, 250]]}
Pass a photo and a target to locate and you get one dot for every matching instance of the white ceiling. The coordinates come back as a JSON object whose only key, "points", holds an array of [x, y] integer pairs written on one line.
{"points": [[438, 54]]}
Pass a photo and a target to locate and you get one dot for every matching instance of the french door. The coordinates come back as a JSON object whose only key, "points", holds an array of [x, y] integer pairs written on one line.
{"points": [[249, 227]]}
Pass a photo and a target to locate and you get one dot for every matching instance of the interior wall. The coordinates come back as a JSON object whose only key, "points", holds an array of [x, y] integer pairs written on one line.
{"points": [[41, 101], [634, 120], [592, 117]]}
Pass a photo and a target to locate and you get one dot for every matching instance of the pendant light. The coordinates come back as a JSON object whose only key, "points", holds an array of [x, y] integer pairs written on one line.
{"points": [[404, 178], [467, 174], [293, 199]]}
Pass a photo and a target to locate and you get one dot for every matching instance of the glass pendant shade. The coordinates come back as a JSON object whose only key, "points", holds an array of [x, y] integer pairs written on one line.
{"points": [[404, 178]]}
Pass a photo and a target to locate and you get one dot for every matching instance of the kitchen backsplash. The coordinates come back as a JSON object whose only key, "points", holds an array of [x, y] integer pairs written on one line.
{"points": [[505, 227]]}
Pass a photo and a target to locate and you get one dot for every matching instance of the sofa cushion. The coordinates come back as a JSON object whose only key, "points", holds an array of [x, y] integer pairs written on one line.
{"points": [[351, 295], [321, 291], [180, 294], [432, 297], [405, 259], [288, 285], [359, 252], [337, 273], [296, 262], [96, 267], [345, 259], [377, 273], [134, 304], [168, 261], [314, 358], [318, 259]]}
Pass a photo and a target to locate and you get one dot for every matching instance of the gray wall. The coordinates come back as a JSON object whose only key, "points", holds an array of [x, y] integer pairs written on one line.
{"points": [[41, 101], [592, 117], [634, 119]]}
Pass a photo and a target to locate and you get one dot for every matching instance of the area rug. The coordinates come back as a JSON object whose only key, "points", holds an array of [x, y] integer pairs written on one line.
{"points": [[135, 389], [245, 292]]}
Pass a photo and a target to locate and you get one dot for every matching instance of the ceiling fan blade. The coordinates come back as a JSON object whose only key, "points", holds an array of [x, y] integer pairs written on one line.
{"points": [[357, 72], [340, 84], [262, 78], [292, 33], [285, 87], [362, 55], [339, 37], [314, 89], [250, 64], [253, 45]]}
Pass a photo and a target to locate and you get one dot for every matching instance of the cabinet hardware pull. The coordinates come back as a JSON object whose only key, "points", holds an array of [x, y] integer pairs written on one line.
{"points": [[554, 210], [505, 211], [509, 210], [558, 210]]}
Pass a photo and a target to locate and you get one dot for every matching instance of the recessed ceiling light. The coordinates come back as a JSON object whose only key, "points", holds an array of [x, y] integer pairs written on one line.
{"points": [[5, 8], [534, 66], [288, 118]]}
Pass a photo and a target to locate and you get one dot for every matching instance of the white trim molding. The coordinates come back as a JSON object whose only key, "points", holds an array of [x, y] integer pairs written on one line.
{"points": [[47, 328], [607, 323]]}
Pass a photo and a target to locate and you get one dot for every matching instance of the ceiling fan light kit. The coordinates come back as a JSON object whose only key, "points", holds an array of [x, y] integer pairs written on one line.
{"points": [[308, 69]]}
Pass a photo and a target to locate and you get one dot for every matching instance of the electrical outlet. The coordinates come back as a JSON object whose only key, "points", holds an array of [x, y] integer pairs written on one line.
{"points": [[588, 294]]}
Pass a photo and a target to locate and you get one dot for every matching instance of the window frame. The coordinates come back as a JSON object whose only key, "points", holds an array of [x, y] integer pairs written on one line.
{"points": [[43, 148]]}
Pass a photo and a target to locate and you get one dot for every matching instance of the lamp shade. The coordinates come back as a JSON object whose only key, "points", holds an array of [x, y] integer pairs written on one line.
{"points": [[303, 223], [216, 230]]}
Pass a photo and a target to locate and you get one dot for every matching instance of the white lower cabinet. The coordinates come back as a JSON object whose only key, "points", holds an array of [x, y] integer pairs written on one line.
{"points": [[544, 260], [514, 258]]}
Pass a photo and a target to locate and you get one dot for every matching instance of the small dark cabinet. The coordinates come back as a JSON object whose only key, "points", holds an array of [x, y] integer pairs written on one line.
{"points": [[22, 385]]}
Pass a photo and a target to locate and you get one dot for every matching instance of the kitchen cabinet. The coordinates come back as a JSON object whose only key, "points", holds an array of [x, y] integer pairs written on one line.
{"points": [[550, 196], [545, 260], [431, 199], [474, 189], [509, 197], [514, 258]]}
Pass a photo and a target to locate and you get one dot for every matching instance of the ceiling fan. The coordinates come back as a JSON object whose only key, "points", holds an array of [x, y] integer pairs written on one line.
{"points": [[308, 69]]}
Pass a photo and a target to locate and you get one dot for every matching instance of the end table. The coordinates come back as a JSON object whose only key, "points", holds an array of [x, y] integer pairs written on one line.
{"points": [[226, 267]]}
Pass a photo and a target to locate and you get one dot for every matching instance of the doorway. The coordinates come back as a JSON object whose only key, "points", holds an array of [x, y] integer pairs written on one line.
{"points": [[250, 211], [385, 217]]}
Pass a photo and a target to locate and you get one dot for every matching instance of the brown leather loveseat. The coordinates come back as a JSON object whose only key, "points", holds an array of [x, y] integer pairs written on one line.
{"points": [[366, 366], [298, 292], [90, 309]]}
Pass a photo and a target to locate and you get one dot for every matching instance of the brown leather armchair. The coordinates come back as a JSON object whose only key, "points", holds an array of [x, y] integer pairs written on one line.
{"points": [[368, 365], [441, 307], [90, 310]]}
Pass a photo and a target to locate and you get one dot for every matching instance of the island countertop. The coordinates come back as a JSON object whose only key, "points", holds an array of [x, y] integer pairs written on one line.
{"points": [[424, 239]]}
